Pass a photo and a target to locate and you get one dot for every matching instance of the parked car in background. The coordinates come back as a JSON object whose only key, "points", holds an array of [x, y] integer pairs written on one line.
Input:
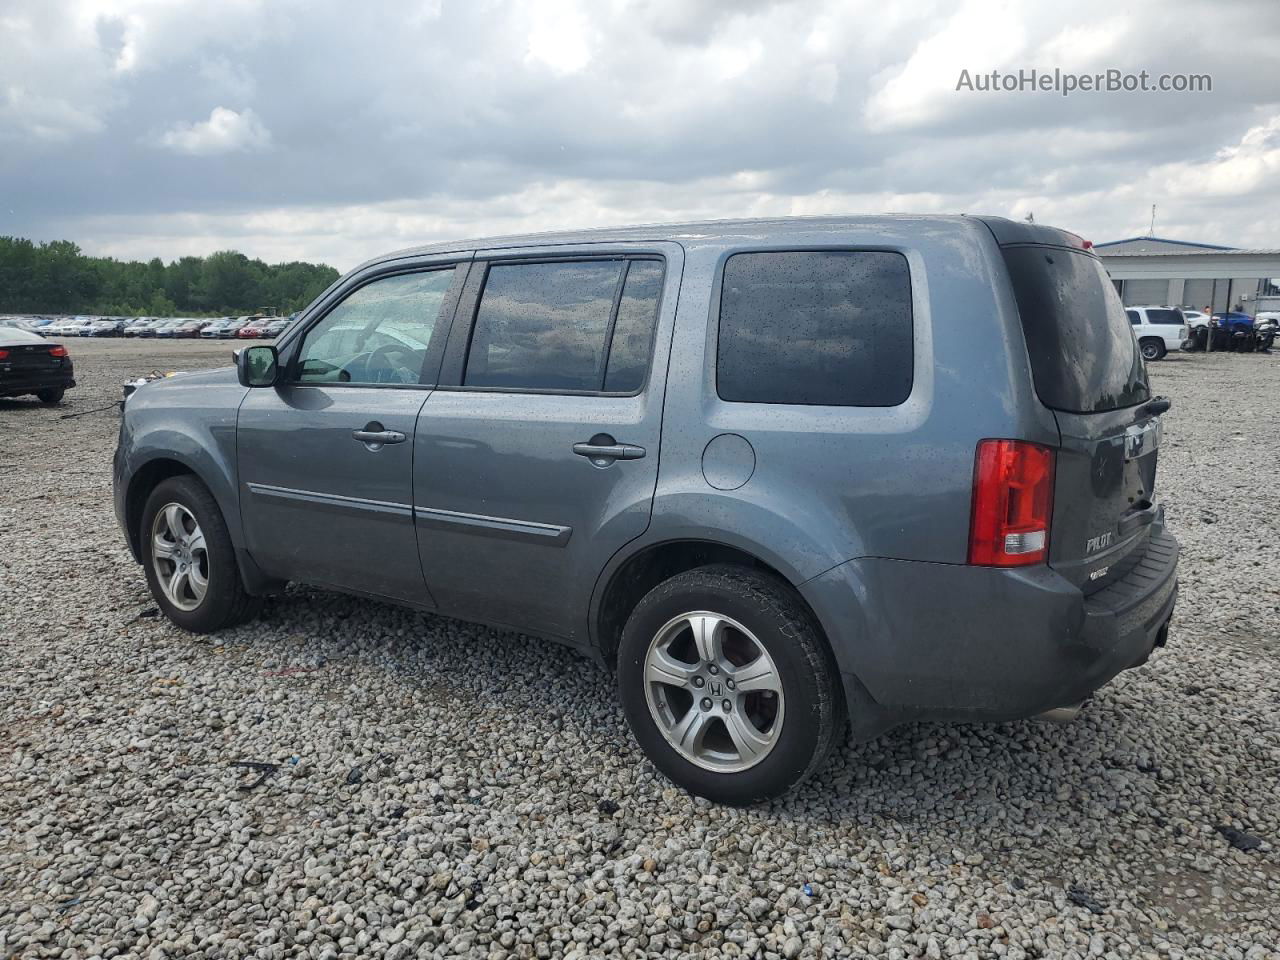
{"points": [[190, 328], [1158, 329], [135, 327], [25, 322], [1195, 318], [107, 327], [276, 328], [75, 327], [30, 364], [212, 330], [805, 499], [168, 328], [1237, 328], [254, 329], [233, 328]]}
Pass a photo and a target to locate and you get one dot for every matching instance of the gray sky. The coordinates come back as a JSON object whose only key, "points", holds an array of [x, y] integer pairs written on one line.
{"points": [[318, 130]]}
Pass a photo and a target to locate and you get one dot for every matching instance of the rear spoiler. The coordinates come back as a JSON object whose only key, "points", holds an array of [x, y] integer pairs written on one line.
{"points": [[1015, 232]]}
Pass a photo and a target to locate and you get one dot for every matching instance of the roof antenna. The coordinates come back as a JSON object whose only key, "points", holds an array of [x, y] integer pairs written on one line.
{"points": [[1152, 231]]}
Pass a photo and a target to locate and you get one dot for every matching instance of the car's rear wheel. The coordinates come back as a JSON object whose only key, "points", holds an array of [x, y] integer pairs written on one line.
{"points": [[729, 685], [51, 396], [1152, 349], [189, 559]]}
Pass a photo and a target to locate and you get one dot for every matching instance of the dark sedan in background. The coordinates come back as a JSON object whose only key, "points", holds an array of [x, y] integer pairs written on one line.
{"points": [[31, 364]]}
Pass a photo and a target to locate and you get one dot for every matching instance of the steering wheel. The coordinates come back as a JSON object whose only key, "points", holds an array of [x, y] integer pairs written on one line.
{"points": [[379, 365], [322, 368]]}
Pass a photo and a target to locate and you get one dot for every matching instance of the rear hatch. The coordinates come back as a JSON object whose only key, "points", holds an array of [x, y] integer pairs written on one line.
{"points": [[1088, 371]]}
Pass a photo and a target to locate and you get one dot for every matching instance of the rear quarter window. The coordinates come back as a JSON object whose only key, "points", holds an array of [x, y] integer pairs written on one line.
{"points": [[1084, 356], [815, 328]]}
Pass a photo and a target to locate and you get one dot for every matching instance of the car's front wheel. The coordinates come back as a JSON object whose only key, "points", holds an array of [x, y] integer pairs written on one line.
{"points": [[189, 559], [729, 685]]}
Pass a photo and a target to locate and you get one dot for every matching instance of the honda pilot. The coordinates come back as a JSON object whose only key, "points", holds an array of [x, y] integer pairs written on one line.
{"points": [[788, 478]]}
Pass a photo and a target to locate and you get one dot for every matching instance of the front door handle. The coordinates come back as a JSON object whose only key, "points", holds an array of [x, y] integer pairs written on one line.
{"points": [[374, 437], [602, 449]]}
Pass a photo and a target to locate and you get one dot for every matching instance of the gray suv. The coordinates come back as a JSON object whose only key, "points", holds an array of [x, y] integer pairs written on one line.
{"points": [[780, 474]]}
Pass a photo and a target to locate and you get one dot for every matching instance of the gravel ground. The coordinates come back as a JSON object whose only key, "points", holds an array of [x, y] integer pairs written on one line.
{"points": [[442, 789]]}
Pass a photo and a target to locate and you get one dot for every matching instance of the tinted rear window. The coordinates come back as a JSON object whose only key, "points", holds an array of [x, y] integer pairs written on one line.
{"points": [[581, 326], [1165, 316], [632, 340], [1084, 356], [543, 325], [829, 328]]}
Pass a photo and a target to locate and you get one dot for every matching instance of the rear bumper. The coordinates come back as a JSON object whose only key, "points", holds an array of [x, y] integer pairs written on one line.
{"points": [[924, 640], [21, 383]]}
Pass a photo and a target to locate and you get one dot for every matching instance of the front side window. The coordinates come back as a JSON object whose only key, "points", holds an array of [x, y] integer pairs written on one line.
{"points": [[816, 327], [574, 326], [378, 334]]}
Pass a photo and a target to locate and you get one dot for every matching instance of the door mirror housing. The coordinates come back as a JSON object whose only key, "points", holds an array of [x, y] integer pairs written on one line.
{"points": [[257, 366]]}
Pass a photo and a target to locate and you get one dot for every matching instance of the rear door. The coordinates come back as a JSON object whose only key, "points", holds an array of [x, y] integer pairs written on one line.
{"points": [[537, 455], [326, 457], [1087, 369]]}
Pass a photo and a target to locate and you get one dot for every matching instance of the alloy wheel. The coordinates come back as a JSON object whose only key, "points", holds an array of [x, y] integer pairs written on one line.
{"points": [[180, 557], [714, 692]]}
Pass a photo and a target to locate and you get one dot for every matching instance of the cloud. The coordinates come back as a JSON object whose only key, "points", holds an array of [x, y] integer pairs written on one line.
{"points": [[340, 137], [561, 38], [27, 113], [1251, 166], [224, 132]]}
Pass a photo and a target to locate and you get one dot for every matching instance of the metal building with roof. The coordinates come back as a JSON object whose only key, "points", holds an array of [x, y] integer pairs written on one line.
{"points": [[1157, 270]]}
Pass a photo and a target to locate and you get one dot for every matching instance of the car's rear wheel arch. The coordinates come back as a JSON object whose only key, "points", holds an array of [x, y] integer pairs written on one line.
{"points": [[644, 570]]}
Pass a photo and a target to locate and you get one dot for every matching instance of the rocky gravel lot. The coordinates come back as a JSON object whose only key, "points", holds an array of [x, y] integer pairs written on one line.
{"points": [[440, 789]]}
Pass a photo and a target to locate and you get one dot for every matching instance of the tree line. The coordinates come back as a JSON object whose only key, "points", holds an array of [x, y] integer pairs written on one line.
{"points": [[55, 277]]}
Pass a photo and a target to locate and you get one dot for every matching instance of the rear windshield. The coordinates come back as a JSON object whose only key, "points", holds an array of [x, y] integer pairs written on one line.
{"points": [[1084, 356]]}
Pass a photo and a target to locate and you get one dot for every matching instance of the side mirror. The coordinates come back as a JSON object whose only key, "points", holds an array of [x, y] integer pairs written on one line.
{"points": [[257, 366]]}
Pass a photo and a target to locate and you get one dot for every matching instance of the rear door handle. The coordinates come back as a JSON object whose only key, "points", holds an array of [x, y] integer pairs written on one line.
{"points": [[607, 452]]}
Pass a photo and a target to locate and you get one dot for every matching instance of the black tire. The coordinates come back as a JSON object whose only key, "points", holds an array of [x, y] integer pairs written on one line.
{"points": [[814, 718], [50, 397], [225, 603], [1152, 349]]}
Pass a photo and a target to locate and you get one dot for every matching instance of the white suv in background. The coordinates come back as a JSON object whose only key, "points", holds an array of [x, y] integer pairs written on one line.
{"points": [[1158, 329]]}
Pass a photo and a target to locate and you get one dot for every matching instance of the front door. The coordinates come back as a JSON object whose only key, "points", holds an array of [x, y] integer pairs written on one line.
{"points": [[537, 455], [326, 457]]}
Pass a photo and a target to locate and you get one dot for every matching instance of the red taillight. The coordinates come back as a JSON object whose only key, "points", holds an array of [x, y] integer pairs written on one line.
{"points": [[58, 351], [4, 354], [1012, 503]]}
